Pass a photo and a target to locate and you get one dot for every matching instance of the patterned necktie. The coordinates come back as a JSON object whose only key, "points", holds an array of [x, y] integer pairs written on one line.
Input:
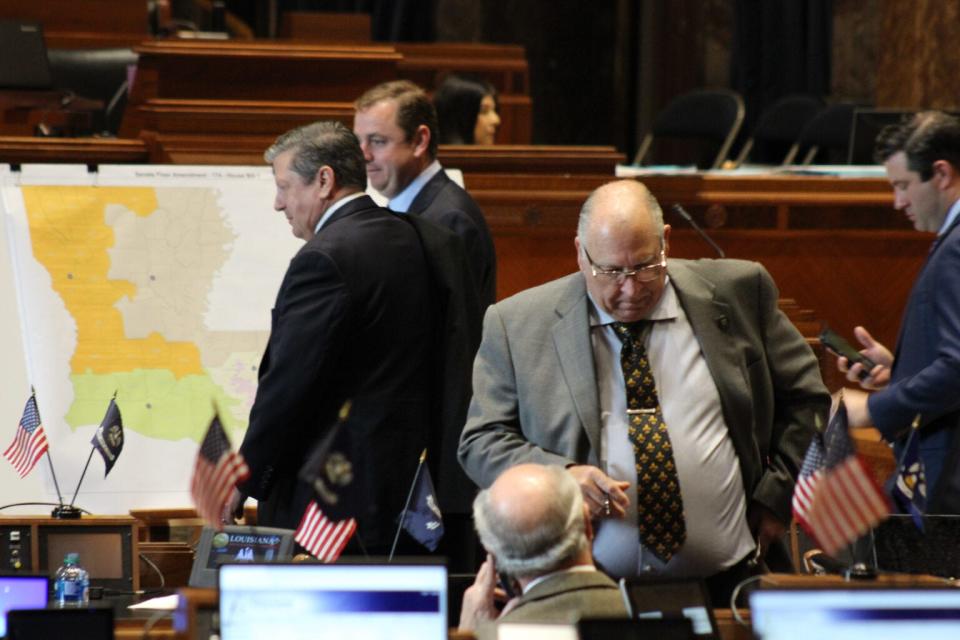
{"points": [[659, 504]]}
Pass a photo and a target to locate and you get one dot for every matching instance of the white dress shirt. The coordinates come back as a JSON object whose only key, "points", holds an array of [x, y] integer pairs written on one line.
{"points": [[714, 500]]}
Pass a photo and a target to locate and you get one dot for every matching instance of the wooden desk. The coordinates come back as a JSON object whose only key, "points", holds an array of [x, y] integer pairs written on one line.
{"points": [[18, 150], [69, 24], [263, 88], [503, 66]]}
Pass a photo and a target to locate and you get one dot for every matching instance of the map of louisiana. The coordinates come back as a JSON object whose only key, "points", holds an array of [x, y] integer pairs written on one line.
{"points": [[135, 269]]}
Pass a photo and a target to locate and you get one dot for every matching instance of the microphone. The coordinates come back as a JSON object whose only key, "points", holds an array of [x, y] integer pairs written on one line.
{"points": [[703, 234]]}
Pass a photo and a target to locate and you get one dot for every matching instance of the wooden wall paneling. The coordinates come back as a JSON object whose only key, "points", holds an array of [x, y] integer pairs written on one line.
{"points": [[913, 71]]}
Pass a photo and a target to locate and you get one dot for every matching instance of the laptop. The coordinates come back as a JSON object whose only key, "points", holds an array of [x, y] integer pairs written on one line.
{"points": [[361, 601], [639, 629], [21, 592], [23, 56], [665, 598], [870, 613], [75, 624]]}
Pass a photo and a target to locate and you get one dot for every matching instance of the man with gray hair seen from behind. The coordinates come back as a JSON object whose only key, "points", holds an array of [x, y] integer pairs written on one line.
{"points": [[537, 532]]}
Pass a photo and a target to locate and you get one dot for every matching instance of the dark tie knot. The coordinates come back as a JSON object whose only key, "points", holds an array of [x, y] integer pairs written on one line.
{"points": [[629, 332]]}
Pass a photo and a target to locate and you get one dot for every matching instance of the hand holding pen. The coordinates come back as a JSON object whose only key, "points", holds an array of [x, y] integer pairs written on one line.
{"points": [[604, 496]]}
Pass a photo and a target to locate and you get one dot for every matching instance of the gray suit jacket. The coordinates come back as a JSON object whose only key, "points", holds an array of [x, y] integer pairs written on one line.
{"points": [[535, 387], [565, 599]]}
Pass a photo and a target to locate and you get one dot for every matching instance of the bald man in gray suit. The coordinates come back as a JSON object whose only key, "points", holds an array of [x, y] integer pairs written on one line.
{"points": [[739, 391]]}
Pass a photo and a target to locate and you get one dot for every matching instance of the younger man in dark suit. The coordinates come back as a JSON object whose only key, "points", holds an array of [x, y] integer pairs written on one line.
{"points": [[355, 319], [397, 127], [922, 160]]}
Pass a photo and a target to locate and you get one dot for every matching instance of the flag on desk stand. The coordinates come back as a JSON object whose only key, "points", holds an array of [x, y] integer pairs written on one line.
{"points": [[329, 471], [910, 489], [30, 442], [421, 517], [323, 538], [108, 440], [217, 471], [836, 500]]}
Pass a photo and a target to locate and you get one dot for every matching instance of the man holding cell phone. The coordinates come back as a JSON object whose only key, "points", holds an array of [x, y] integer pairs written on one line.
{"points": [[922, 376]]}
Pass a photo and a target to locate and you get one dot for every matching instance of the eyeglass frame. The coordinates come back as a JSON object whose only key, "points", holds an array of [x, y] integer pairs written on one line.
{"points": [[620, 275]]}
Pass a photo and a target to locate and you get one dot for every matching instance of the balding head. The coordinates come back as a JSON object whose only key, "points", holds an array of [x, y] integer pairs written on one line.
{"points": [[532, 520], [621, 229], [617, 205]]}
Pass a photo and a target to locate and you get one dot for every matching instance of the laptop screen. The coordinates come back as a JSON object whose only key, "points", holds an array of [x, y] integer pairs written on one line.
{"points": [[856, 614], [360, 601], [651, 598], [93, 623], [21, 592]]}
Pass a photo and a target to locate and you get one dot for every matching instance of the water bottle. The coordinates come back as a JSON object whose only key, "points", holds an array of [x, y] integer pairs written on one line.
{"points": [[71, 583]]}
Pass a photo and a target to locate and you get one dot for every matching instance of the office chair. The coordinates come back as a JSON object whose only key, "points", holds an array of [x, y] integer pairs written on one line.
{"points": [[712, 115], [781, 123], [828, 130], [99, 74]]}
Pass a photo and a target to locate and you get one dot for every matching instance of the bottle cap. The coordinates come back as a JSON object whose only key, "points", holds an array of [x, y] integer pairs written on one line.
{"points": [[71, 558]]}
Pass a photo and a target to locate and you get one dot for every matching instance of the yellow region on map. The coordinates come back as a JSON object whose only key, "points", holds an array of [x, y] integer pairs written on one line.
{"points": [[72, 244]]}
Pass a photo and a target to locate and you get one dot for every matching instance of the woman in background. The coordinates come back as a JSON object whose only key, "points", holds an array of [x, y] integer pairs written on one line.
{"points": [[467, 110]]}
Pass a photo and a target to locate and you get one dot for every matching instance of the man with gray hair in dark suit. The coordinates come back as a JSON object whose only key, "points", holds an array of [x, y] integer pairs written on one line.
{"points": [[537, 533]]}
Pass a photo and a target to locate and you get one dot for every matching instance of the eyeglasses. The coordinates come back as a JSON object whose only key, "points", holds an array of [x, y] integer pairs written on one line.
{"points": [[646, 273]]}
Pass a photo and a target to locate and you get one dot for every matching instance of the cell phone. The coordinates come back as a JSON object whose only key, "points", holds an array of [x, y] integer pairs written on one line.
{"points": [[507, 585], [840, 347]]}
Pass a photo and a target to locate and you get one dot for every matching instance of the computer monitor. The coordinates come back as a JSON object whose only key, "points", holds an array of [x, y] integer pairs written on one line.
{"points": [[237, 544], [902, 548], [867, 124], [361, 601], [21, 592], [856, 614], [671, 598], [76, 624], [23, 56]]}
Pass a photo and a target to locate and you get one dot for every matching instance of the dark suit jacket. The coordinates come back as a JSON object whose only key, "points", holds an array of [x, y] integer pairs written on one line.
{"points": [[535, 387], [443, 201], [459, 337], [926, 374], [354, 319]]}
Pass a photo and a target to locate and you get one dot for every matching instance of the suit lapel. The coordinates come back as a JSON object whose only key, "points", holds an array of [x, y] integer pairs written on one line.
{"points": [[571, 337], [428, 193], [710, 320]]}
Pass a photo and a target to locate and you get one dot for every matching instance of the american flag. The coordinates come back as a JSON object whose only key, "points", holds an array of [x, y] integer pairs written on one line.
{"points": [[323, 538], [836, 499], [30, 442], [217, 471]]}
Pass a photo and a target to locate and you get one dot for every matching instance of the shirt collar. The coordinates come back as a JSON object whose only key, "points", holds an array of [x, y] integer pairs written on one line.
{"points": [[580, 568], [336, 205], [951, 216], [402, 201], [668, 308]]}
